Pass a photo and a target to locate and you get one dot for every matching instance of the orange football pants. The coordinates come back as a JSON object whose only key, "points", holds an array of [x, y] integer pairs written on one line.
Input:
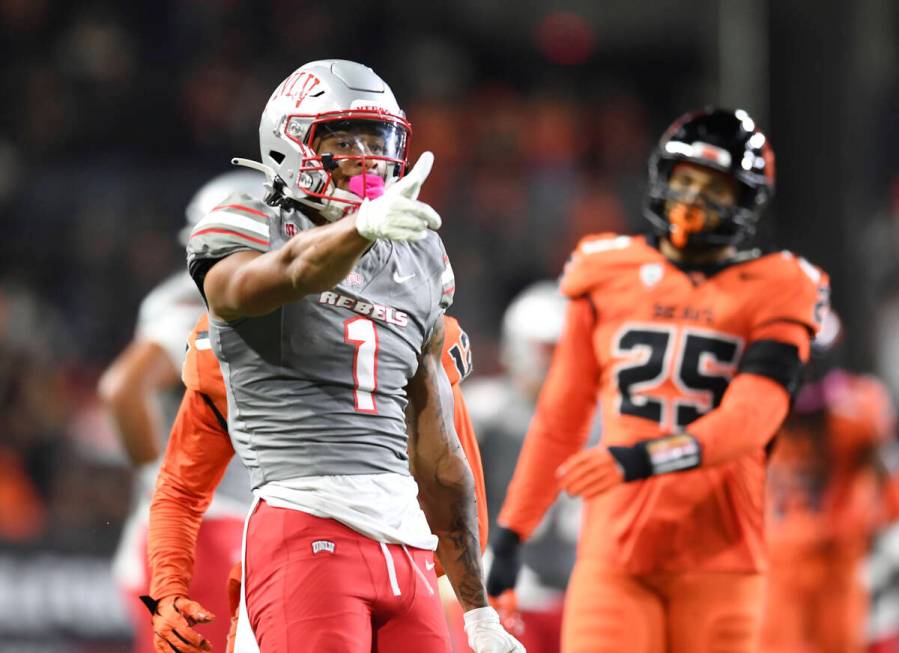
{"points": [[608, 611], [816, 605]]}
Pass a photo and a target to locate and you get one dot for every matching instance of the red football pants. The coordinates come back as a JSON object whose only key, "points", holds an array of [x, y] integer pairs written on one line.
{"points": [[313, 584], [218, 549]]}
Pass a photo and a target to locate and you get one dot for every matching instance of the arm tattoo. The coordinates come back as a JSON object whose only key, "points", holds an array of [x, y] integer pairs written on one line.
{"points": [[465, 551], [445, 481]]}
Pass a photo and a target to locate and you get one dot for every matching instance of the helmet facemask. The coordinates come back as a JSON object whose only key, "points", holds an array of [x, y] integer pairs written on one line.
{"points": [[697, 221], [336, 148]]}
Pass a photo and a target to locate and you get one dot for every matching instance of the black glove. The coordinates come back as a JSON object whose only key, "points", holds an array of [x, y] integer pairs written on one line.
{"points": [[506, 562]]}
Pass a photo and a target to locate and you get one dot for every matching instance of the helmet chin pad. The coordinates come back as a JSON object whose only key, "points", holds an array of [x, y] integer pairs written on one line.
{"points": [[367, 186]]}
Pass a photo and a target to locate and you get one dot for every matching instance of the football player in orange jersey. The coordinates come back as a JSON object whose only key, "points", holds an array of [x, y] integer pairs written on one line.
{"points": [[197, 454], [827, 494], [693, 348]]}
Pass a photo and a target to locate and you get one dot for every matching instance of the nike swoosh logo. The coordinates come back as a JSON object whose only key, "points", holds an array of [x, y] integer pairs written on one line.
{"points": [[402, 278], [429, 565]]}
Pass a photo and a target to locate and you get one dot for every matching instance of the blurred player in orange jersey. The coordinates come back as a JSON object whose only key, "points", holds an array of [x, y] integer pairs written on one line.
{"points": [[693, 348], [198, 452], [827, 494], [141, 388]]}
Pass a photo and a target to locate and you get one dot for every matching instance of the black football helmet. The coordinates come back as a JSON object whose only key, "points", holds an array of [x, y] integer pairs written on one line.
{"points": [[723, 140]]}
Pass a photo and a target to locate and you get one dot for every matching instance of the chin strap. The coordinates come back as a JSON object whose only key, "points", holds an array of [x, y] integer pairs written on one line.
{"points": [[275, 195]]}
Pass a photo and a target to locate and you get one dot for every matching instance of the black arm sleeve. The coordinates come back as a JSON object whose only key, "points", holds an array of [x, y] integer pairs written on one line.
{"points": [[776, 360], [198, 268]]}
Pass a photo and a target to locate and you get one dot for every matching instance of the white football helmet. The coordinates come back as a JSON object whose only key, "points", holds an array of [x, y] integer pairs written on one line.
{"points": [[350, 106], [532, 325], [210, 194]]}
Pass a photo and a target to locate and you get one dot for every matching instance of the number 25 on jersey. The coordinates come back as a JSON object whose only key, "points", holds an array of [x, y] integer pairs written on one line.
{"points": [[673, 375]]}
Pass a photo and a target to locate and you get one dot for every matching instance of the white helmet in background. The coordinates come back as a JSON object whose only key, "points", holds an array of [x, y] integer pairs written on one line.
{"points": [[532, 325], [321, 99], [210, 194]]}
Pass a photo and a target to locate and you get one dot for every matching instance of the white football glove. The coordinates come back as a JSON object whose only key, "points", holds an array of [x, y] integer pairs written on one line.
{"points": [[487, 635], [397, 214]]}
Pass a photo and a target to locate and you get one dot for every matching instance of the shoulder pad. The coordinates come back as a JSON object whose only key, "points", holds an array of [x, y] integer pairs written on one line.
{"points": [[597, 255], [239, 223], [791, 289], [456, 351]]}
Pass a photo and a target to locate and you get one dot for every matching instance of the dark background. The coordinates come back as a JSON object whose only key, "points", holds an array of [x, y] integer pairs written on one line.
{"points": [[541, 116]]}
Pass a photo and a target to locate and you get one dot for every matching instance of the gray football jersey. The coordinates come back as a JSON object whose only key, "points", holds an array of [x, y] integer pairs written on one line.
{"points": [[317, 387]]}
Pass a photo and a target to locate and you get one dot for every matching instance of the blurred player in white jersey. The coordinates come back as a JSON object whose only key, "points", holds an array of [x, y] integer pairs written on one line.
{"points": [[501, 408], [141, 389]]}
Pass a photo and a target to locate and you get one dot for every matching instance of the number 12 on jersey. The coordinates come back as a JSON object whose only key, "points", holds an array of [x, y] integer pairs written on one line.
{"points": [[363, 335]]}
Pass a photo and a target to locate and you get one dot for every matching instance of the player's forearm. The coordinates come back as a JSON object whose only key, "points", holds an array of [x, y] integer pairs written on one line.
{"points": [[137, 419], [534, 485], [195, 461], [318, 259], [751, 412], [175, 518], [249, 284], [129, 387], [448, 499], [446, 486]]}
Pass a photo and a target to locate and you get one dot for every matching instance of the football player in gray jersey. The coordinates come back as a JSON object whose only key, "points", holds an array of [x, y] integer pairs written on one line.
{"points": [[141, 389], [326, 310]]}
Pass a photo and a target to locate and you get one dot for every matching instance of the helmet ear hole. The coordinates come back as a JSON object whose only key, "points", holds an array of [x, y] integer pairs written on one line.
{"points": [[277, 156]]}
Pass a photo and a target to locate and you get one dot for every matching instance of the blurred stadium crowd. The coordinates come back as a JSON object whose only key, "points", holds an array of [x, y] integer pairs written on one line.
{"points": [[115, 115]]}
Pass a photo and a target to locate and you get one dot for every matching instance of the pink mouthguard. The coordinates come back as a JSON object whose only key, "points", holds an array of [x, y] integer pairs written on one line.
{"points": [[370, 186]]}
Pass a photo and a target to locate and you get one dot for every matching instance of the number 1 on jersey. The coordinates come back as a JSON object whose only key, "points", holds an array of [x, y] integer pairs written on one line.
{"points": [[363, 335]]}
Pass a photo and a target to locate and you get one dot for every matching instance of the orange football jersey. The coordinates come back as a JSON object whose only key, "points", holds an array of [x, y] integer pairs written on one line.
{"points": [[199, 450], [200, 371], [658, 347]]}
